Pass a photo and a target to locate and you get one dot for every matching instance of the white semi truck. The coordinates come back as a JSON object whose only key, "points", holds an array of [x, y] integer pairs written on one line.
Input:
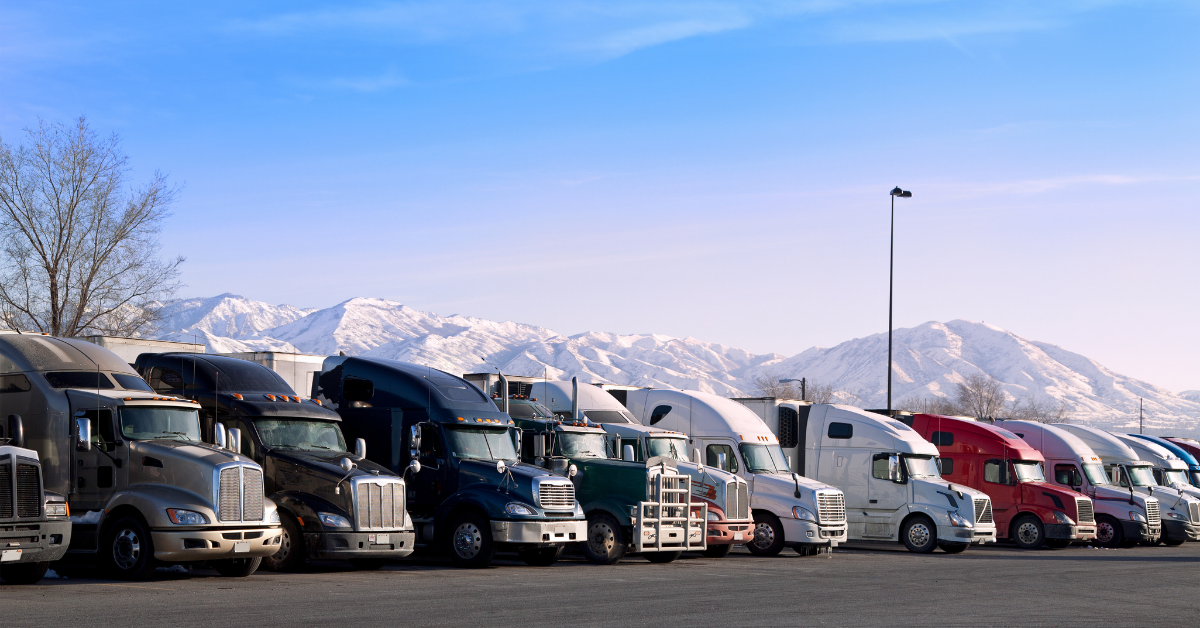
{"points": [[1124, 517], [1179, 502]]}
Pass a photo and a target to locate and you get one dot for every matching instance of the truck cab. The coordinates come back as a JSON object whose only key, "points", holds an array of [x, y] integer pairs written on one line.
{"points": [[334, 504], [1187, 476], [1179, 502], [788, 510], [141, 484], [1192, 447], [34, 529], [894, 489], [1027, 509], [1123, 517], [469, 494]]}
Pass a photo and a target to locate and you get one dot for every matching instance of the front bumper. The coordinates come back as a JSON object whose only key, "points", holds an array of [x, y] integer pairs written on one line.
{"points": [[1138, 531], [798, 532], [47, 541], [180, 546], [978, 535], [539, 532], [1179, 530], [1069, 532], [352, 545], [736, 532]]}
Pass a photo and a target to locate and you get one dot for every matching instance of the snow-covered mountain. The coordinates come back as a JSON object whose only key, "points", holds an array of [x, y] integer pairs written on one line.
{"points": [[930, 358]]}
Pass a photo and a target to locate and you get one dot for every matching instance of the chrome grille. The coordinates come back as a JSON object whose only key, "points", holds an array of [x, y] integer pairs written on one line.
{"points": [[1083, 508], [29, 491], [743, 509], [252, 494], [229, 500], [983, 511], [556, 496], [6, 496], [379, 504], [1194, 507], [831, 507], [1152, 512]]}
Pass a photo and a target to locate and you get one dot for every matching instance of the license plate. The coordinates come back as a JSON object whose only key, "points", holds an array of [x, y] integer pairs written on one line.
{"points": [[383, 539], [737, 536], [10, 555], [241, 547], [560, 529]]}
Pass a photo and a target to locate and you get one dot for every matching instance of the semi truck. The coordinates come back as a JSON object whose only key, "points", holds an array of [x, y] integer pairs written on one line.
{"points": [[726, 496], [334, 504], [469, 494], [34, 529], [788, 510], [142, 486], [1189, 476], [1179, 502], [1027, 510], [894, 489], [1192, 447], [1123, 517]]}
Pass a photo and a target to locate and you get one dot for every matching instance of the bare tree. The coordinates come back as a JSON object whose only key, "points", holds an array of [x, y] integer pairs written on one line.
{"points": [[930, 405], [1039, 409], [769, 385], [824, 393], [981, 396], [80, 246]]}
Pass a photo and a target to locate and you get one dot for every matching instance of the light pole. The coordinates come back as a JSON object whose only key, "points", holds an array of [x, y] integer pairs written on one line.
{"points": [[803, 383], [891, 271]]}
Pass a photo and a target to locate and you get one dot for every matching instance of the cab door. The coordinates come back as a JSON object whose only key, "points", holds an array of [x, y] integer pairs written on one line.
{"points": [[104, 469], [431, 485], [1000, 484]]}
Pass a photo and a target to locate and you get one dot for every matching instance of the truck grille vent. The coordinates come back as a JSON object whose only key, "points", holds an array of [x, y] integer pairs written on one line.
{"points": [[983, 511], [1084, 510], [380, 505], [252, 494], [743, 501], [6, 496], [831, 507], [29, 491], [1194, 507], [556, 496], [229, 502], [789, 427], [1152, 512]]}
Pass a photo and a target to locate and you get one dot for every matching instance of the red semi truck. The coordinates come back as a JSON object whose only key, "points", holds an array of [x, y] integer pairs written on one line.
{"points": [[1028, 511]]}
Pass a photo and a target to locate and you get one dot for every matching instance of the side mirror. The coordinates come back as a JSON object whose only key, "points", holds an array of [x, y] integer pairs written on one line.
{"points": [[627, 453], [235, 440], [83, 434], [696, 457], [219, 435], [894, 468], [360, 448], [347, 465], [414, 441], [414, 466], [722, 462], [16, 431]]}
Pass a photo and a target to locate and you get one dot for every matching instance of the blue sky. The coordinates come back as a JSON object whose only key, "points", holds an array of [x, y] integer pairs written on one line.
{"points": [[711, 169]]}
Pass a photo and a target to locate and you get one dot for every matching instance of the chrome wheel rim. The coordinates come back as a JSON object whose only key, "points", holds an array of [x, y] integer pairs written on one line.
{"points": [[601, 538], [127, 549], [468, 540], [1105, 532], [919, 534], [1028, 533], [285, 547], [764, 535]]}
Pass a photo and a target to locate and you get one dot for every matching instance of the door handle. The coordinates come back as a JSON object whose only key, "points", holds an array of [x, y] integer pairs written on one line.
{"points": [[874, 501]]}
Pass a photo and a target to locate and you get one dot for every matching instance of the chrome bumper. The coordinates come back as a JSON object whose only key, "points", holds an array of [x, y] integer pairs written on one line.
{"points": [[188, 545], [568, 531], [350, 545], [47, 543]]}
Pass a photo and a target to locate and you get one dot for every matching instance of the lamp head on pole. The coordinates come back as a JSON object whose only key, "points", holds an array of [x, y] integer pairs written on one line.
{"points": [[901, 193]]}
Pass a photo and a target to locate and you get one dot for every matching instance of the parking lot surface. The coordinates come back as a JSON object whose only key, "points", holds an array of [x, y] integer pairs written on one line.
{"points": [[991, 586]]}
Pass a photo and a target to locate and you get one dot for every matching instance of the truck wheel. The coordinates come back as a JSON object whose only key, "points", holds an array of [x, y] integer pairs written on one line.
{"points": [[1108, 532], [808, 549], [718, 551], [471, 541], [1171, 542], [237, 567], [291, 554], [541, 556], [25, 573], [1057, 543], [953, 548], [605, 540], [1028, 532], [662, 558], [368, 564], [768, 535], [128, 551], [919, 534]]}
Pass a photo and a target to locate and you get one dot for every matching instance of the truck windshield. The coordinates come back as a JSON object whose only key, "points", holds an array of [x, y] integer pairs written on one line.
{"points": [[1174, 476], [1095, 474], [1028, 471], [674, 448], [764, 458], [1141, 476], [300, 434], [577, 445], [160, 423], [1195, 478], [481, 444], [528, 411], [922, 466]]}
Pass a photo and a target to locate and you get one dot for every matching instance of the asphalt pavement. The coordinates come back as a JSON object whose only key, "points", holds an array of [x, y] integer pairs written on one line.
{"points": [[989, 586]]}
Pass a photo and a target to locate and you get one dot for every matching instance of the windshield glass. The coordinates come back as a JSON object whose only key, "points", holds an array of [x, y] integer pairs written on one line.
{"points": [[528, 411], [481, 444], [300, 434], [1095, 474], [1174, 476], [922, 467], [576, 445], [1028, 471], [675, 448], [1141, 476], [152, 423], [1195, 478], [764, 458]]}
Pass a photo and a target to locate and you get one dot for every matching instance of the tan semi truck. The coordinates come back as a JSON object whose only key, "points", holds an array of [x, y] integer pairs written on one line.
{"points": [[143, 488]]}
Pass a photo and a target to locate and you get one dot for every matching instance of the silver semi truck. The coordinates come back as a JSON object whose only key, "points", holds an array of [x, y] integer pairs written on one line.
{"points": [[34, 530]]}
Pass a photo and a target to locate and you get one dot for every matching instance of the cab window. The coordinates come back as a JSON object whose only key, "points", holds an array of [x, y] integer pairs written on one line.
{"points": [[431, 442], [249, 446], [165, 379], [841, 430], [996, 472], [879, 466], [946, 466], [659, 413], [104, 432], [942, 439], [1067, 475], [712, 457]]}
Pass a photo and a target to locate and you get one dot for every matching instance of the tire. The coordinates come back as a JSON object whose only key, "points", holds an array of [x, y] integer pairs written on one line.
{"points": [[1171, 542], [127, 552], [470, 541], [919, 534], [1057, 543], [1028, 532], [292, 551], [25, 573], [954, 548], [662, 558], [368, 564], [541, 557], [808, 549], [718, 551], [605, 540], [1108, 532], [767, 539], [237, 567]]}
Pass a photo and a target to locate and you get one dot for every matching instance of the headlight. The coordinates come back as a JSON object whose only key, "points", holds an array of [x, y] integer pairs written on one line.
{"points": [[274, 518], [331, 520], [186, 517], [712, 516], [957, 520], [517, 508], [803, 514], [1136, 516], [56, 509], [1062, 517], [1175, 515]]}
